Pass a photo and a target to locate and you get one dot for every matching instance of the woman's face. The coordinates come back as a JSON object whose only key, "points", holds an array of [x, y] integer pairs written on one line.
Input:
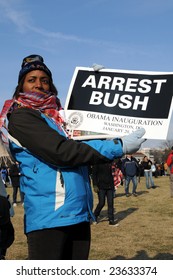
{"points": [[36, 81]]}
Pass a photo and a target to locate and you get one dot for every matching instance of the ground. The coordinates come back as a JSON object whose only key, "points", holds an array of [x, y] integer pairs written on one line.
{"points": [[145, 230]]}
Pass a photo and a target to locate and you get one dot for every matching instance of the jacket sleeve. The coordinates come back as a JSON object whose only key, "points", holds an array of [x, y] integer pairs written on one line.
{"points": [[33, 133], [123, 167]]}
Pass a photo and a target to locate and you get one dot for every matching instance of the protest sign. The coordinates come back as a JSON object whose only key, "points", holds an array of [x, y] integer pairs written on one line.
{"points": [[117, 102]]}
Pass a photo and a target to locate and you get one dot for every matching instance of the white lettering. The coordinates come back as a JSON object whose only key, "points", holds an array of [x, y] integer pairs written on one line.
{"points": [[106, 100], [137, 102], [145, 88], [90, 81], [96, 98], [118, 82], [122, 101], [158, 85], [122, 84], [131, 85], [104, 81], [125, 99]]}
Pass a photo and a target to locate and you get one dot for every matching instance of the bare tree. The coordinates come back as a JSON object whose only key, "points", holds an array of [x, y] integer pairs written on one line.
{"points": [[161, 154]]}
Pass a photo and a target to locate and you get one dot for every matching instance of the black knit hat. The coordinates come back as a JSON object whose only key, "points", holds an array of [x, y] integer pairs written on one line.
{"points": [[31, 63]]}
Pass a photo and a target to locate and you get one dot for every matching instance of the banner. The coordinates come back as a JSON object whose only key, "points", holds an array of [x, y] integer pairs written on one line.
{"points": [[117, 102]]}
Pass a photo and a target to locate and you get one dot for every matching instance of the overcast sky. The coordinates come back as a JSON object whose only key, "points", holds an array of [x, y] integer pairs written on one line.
{"points": [[119, 34]]}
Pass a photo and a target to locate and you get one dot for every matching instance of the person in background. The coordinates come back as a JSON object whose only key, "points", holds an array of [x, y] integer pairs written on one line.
{"points": [[57, 217], [162, 170], [146, 164], [130, 170], [103, 184], [154, 169], [14, 174], [4, 174], [169, 162], [165, 168], [117, 174], [6, 226]]}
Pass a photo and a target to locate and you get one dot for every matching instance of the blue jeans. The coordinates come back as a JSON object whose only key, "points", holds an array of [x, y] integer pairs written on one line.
{"points": [[149, 179], [127, 183]]}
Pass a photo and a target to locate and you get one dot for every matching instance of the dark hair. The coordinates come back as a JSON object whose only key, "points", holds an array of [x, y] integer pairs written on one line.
{"points": [[19, 88]]}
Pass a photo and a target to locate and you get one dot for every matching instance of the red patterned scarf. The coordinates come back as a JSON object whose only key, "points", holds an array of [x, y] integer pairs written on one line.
{"points": [[45, 102]]}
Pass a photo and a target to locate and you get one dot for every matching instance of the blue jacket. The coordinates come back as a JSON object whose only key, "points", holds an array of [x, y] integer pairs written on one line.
{"points": [[56, 186], [130, 167]]}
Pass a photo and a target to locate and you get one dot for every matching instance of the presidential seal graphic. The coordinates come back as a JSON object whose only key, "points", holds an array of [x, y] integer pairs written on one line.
{"points": [[75, 119]]}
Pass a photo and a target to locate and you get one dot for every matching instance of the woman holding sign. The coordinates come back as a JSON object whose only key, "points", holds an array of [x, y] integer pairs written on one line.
{"points": [[54, 169]]}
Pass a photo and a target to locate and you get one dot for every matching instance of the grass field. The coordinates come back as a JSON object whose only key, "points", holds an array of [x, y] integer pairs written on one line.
{"points": [[145, 228]]}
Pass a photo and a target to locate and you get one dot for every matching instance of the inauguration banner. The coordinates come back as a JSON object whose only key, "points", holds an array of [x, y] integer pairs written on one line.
{"points": [[116, 102]]}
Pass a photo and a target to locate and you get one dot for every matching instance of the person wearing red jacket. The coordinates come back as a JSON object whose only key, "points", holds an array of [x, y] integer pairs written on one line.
{"points": [[169, 162]]}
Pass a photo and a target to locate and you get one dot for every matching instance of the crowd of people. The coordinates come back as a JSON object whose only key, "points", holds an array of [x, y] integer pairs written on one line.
{"points": [[128, 169], [10, 175]]}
